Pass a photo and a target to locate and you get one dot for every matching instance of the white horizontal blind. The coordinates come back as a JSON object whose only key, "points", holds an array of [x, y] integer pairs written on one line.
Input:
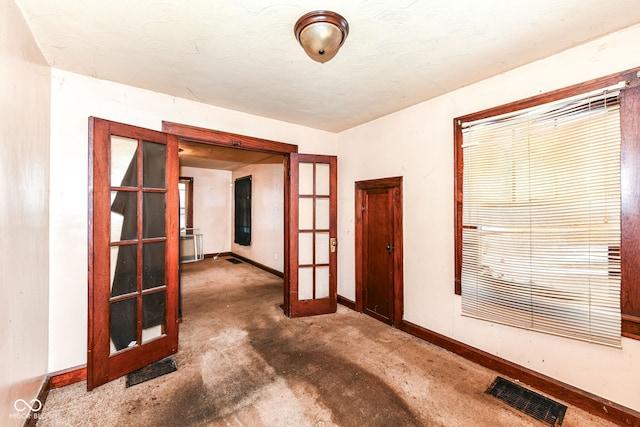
{"points": [[541, 218]]}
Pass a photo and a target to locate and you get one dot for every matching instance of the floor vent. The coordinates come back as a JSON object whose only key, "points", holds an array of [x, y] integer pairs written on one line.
{"points": [[234, 261], [527, 401], [157, 369]]}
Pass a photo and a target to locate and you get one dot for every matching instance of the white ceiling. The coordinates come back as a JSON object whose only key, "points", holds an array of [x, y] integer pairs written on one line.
{"points": [[242, 54]]}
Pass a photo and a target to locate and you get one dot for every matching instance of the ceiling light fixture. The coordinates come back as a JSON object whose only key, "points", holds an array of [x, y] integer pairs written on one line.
{"points": [[321, 33]]}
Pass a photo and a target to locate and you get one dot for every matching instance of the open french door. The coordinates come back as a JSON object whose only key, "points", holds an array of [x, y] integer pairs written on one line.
{"points": [[312, 225], [133, 249]]}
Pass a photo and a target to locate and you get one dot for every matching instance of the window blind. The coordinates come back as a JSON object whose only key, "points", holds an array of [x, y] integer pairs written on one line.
{"points": [[541, 218]]}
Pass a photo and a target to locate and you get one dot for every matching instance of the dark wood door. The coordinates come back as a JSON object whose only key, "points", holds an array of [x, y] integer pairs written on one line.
{"points": [[378, 254], [312, 226], [133, 249], [379, 249]]}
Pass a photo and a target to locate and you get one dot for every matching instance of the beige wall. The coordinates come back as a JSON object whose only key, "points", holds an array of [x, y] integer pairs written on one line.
{"points": [[267, 215], [74, 99], [24, 218], [211, 207], [417, 143]]}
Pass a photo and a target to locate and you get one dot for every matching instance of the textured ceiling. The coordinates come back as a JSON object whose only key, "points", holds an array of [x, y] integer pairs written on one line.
{"points": [[243, 55]]}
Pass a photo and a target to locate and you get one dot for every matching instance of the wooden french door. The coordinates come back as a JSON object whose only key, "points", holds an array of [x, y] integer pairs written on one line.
{"points": [[312, 242], [379, 259], [133, 249]]}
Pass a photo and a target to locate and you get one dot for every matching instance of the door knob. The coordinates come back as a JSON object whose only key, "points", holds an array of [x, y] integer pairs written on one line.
{"points": [[390, 247]]}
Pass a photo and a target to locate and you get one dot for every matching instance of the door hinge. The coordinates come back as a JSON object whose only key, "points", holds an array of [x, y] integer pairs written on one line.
{"points": [[362, 209]]}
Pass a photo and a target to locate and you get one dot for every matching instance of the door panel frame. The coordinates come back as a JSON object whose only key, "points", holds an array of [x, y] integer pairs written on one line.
{"points": [[102, 366], [361, 187], [293, 307]]}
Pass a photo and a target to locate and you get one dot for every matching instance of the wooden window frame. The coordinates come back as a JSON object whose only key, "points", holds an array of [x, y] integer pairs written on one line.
{"points": [[629, 175]]}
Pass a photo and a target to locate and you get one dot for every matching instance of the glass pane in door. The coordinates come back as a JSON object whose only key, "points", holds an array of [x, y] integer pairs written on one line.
{"points": [[153, 310], [123, 162], [322, 282], [153, 205], [153, 169], [305, 179], [153, 274], [322, 179], [305, 213], [322, 214], [322, 248], [305, 283], [123, 323]]}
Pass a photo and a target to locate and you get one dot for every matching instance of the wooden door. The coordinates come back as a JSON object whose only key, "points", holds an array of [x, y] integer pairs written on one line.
{"points": [[379, 249], [133, 249], [312, 227]]}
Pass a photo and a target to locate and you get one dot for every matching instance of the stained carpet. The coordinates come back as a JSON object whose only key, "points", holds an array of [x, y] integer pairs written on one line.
{"points": [[243, 363]]}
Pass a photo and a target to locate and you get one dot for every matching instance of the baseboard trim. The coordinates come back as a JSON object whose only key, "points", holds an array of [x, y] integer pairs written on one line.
{"points": [[68, 377], [579, 398], [32, 419], [346, 302], [219, 254], [257, 264], [55, 380]]}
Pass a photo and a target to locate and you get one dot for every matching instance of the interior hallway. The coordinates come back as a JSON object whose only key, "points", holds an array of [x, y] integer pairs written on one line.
{"points": [[243, 363]]}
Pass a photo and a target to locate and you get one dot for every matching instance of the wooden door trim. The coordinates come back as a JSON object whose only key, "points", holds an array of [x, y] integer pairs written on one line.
{"points": [[243, 142], [226, 139], [398, 276]]}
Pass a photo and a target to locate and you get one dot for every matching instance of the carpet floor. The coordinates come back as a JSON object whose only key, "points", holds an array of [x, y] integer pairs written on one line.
{"points": [[241, 362]]}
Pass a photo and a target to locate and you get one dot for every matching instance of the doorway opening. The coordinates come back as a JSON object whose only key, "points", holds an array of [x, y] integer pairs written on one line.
{"points": [[308, 212]]}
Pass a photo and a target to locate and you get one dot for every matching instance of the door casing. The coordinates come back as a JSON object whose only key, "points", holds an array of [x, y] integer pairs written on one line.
{"points": [[290, 152]]}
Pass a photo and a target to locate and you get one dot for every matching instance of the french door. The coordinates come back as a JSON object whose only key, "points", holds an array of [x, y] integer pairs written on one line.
{"points": [[133, 249], [312, 224]]}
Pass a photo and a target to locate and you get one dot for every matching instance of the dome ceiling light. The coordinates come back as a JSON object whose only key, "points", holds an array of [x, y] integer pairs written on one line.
{"points": [[321, 33]]}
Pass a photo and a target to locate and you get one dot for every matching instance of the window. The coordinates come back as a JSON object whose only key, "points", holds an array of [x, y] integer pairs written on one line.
{"points": [[539, 218], [185, 189], [242, 187]]}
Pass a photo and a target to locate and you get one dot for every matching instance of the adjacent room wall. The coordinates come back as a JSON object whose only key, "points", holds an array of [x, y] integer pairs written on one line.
{"points": [[74, 98], [25, 81], [211, 207], [417, 143], [267, 215]]}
